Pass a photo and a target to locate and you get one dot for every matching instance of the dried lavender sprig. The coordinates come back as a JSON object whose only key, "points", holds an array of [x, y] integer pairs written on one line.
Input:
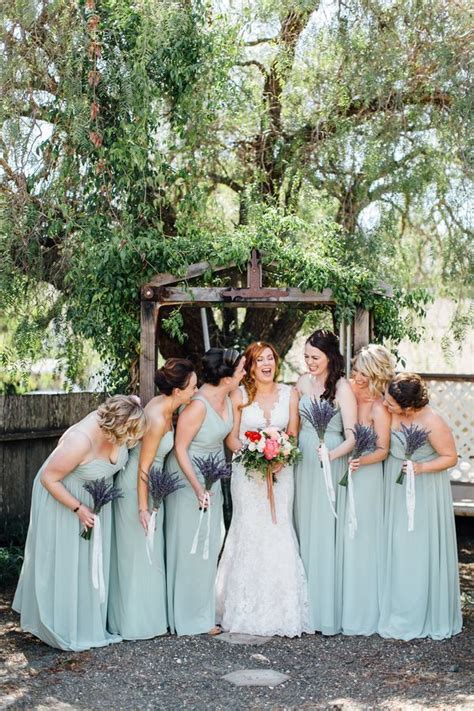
{"points": [[413, 438], [212, 468], [365, 442], [102, 493], [319, 413], [161, 484]]}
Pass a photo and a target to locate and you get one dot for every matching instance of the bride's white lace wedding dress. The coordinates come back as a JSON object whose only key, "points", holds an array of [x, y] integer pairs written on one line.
{"points": [[261, 583]]}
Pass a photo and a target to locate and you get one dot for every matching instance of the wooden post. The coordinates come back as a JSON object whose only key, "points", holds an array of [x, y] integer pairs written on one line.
{"points": [[149, 319], [361, 329]]}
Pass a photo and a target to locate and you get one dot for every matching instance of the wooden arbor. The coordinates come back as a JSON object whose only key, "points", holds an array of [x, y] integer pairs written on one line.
{"points": [[169, 290]]}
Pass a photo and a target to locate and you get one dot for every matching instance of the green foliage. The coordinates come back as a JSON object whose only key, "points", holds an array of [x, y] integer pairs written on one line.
{"points": [[11, 560]]}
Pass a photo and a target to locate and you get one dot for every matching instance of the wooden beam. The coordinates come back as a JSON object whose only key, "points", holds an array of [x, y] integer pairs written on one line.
{"points": [[149, 319], [198, 296], [194, 270], [361, 329]]}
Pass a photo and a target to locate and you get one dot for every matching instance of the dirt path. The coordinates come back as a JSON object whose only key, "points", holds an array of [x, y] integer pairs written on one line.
{"points": [[170, 673]]}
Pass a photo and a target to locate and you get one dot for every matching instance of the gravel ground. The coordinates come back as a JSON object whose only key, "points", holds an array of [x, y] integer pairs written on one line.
{"points": [[175, 673]]}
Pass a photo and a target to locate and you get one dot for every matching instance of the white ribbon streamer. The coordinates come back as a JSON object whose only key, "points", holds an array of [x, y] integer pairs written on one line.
{"points": [[328, 477], [205, 555], [410, 494], [97, 559], [150, 536], [352, 522]]}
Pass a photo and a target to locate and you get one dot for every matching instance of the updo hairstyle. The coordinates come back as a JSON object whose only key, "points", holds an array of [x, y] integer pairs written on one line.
{"points": [[409, 390], [175, 373], [121, 418], [328, 343], [377, 364], [219, 363]]}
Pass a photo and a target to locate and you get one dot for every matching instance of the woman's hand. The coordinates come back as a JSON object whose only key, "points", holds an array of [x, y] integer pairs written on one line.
{"points": [[417, 467], [144, 518], [203, 497], [354, 464], [330, 454], [85, 516]]}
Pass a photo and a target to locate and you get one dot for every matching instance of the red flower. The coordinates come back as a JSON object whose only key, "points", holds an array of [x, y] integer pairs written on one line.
{"points": [[253, 436]]}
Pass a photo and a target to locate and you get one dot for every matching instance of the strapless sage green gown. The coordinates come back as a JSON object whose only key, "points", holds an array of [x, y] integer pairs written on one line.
{"points": [[190, 579], [55, 596], [420, 594], [316, 527], [137, 593]]}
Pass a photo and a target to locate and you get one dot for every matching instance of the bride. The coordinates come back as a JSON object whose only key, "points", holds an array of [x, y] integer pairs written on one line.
{"points": [[261, 584]]}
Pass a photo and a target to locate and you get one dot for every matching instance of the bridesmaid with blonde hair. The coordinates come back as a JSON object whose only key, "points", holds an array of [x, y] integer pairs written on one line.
{"points": [[372, 369], [420, 595], [137, 596], [55, 595]]}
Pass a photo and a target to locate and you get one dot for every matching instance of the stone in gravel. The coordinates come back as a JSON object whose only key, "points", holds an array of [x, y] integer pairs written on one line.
{"points": [[260, 658], [234, 638], [256, 677]]}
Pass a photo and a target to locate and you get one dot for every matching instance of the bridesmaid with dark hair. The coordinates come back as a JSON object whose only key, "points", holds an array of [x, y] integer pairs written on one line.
{"points": [[201, 430], [315, 519], [137, 593], [420, 596]]}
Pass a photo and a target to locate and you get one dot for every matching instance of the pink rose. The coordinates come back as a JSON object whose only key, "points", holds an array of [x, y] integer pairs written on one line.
{"points": [[272, 449], [273, 433]]}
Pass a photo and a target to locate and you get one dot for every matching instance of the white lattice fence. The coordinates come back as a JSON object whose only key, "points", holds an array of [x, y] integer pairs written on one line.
{"points": [[453, 397]]}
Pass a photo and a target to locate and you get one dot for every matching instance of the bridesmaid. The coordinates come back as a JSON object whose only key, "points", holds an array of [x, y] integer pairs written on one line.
{"points": [[314, 520], [137, 596], [202, 427], [420, 596], [55, 596], [372, 369]]}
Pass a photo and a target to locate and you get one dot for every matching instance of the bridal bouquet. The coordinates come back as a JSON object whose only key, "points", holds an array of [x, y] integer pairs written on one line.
{"points": [[102, 494], [365, 443], [319, 414], [160, 485], [263, 450], [413, 438], [212, 468]]}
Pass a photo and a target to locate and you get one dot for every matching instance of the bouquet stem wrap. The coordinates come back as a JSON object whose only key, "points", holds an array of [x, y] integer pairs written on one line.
{"points": [[352, 522], [97, 560], [410, 495], [328, 477], [205, 553], [150, 536], [270, 494]]}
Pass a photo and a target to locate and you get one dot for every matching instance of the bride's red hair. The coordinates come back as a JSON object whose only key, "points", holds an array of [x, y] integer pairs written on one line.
{"points": [[252, 352]]}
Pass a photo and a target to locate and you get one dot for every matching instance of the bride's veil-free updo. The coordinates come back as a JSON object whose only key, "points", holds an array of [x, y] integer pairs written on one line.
{"points": [[251, 354]]}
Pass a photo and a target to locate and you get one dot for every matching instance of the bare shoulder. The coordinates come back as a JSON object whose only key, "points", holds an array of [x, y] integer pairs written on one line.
{"points": [[75, 439], [379, 411], [435, 422], [343, 387], [303, 384], [236, 396]]}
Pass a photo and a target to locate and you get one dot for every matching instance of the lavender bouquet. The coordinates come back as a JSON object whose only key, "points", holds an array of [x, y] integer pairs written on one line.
{"points": [[102, 493], [365, 443], [319, 413], [160, 485], [413, 438], [212, 468]]}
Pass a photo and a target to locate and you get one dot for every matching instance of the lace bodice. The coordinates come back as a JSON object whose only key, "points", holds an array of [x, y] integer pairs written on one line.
{"points": [[253, 416]]}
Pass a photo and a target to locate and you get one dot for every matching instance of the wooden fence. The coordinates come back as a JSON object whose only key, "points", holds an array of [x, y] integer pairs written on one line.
{"points": [[30, 426]]}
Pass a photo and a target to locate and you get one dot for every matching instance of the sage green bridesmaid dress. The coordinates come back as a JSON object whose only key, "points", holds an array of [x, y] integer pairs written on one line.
{"points": [[420, 595], [361, 558], [190, 578], [137, 593], [55, 596], [316, 526]]}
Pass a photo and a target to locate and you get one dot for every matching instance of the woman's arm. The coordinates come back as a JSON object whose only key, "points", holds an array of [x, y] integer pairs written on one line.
{"points": [[232, 440], [294, 421], [71, 451], [442, 440], [150, 443], [348, 406], [189, 423], [382, 421]]}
